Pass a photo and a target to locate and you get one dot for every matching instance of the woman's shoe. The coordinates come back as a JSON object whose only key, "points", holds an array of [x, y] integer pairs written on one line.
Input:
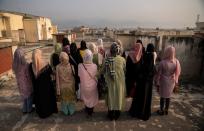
{"points": [[160, 112]]}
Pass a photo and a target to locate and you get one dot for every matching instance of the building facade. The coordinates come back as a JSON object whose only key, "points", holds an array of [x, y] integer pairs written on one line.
{"points": [[20, 27]]}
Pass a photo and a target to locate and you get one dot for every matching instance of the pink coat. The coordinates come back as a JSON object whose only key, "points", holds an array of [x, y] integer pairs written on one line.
{"points": [[88, 86], [167, 76]]}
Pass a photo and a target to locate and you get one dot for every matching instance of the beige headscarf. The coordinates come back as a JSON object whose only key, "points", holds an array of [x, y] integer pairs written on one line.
{"points": [[64, 58], [93, 48], [38, 63]]}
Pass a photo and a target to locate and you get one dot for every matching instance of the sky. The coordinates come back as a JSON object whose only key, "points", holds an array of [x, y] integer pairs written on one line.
{"points": [[112, 13]]}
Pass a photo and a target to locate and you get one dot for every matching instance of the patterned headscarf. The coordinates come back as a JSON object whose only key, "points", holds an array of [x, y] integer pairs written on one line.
{"points": [[64, 58], [109, 62], [136, 53], [88, 56], [58, 48], [38, 63], [114, 49], [119, 42], [19, 60]]}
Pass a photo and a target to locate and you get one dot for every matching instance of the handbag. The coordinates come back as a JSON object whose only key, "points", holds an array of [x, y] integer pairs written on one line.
{"points": [[102, 87], [101, 84]]}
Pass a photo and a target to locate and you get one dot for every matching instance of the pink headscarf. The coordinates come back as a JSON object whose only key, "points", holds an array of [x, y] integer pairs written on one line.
{"points": [[38, 63], [136, 54], [169, 54]]}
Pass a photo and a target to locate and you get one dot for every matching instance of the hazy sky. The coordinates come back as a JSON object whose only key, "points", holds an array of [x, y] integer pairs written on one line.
{"points": [[116, 13]]}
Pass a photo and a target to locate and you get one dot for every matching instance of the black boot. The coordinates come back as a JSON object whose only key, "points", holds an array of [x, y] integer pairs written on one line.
{"points": [[111, 114], [117, 114]]}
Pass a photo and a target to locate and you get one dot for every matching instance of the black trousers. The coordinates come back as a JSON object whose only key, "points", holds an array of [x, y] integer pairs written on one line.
{"points": [[89, 111], [113, 114], [166, 102]]}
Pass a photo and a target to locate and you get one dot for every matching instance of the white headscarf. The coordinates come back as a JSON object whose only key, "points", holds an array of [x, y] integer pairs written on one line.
{"points": [[100, 43], [88, 56]]}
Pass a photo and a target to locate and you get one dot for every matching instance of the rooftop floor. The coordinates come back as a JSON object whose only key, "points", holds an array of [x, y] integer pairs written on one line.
{"points": [[185, 114]]}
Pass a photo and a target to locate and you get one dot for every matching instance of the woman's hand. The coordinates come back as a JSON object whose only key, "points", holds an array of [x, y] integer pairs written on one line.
{"points": [[176, 88]]}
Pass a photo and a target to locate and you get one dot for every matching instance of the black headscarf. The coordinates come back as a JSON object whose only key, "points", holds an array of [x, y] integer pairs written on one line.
{"points": [[73, 48], [150, 47], [83, 45], [65, 42]]}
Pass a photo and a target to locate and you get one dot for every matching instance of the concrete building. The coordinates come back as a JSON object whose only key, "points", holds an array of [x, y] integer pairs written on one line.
{"points": [[57, 38], [11, 25], [189, 46], [22, 27], [38, 29]]}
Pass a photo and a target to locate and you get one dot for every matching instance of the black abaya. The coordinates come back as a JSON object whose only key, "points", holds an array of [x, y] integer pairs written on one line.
{"points": [[44, 94]]}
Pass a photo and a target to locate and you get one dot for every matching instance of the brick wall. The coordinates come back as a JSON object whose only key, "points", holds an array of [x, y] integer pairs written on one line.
{"points": [[5, 59]]}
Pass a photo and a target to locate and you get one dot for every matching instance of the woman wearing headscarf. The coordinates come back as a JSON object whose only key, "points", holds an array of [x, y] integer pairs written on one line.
{"points": [[74, 59], [23, 78], [167, 77], [97, 57], [88, 85], [114, 72], [138, 107], [100, 47], [82, 50], [122, 52], [92, 47], [141, 105], [65, 85], [133, 68], [44, 93], [54, 61], [66, 45], [143, 48]]}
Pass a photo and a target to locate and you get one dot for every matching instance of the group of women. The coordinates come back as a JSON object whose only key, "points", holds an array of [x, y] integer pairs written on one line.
{"points": [[73, 69]]}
